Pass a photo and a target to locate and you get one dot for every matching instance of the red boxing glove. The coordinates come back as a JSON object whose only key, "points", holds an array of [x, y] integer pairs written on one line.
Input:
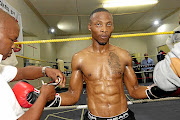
{"points": [[26, 95], [21, 90]]}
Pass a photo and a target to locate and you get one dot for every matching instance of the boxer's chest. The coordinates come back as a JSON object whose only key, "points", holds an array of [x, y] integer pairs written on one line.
{"points": [[101, 67]]}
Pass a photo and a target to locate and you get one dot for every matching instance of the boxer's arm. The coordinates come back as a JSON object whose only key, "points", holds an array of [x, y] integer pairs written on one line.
{"points": [[131, 82], [76, 84]]}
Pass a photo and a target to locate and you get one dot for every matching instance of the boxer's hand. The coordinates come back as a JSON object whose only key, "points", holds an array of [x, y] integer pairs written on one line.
{"points": [[54, 74], [48, 91], [154, 92]]}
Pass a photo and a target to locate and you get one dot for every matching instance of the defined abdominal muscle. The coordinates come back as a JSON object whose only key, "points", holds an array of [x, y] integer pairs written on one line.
{"points": [[107, 105], [106, 90], [107, 93], [106, 97]]}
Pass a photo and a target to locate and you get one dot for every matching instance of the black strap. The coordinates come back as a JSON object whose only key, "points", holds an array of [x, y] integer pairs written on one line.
{"points": [[32, 97], [176, 31]]}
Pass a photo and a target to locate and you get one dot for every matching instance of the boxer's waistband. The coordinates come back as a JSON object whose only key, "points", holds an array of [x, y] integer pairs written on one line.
{"points": [[121, 116]]}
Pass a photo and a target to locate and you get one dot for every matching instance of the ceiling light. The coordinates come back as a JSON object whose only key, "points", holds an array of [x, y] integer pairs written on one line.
{"points": [[162, 28], [60, 26], [52, 30], [118, 3], [156, 22], [65, 26]]}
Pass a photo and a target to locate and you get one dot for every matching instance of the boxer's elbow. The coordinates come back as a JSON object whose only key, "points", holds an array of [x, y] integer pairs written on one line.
{"points": [[75, 98], [133, 95], [138, 92], [71, 98]]}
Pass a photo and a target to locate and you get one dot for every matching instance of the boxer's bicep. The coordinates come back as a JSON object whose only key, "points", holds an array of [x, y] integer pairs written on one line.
{"points": [[75, 84]]}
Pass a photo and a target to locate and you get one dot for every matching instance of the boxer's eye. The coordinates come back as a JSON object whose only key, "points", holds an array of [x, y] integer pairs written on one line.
{"points": [[98, 24], [109, 24]]}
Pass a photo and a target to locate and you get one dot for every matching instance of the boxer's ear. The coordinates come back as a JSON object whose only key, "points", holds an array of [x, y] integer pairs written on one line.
{"points": [[89, 26]]}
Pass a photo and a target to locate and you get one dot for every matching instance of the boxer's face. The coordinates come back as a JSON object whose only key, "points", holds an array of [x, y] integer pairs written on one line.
{"points": [[9, 31], [101, 27]]}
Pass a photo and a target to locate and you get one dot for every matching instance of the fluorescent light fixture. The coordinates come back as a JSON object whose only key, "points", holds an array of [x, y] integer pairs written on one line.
{"points": [[65, 26], [162, 28], [60, 26], [120, 3]]}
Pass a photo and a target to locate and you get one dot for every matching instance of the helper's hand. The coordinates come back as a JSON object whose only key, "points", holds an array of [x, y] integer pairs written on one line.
{"points": [[54, 74], [48, 91]]}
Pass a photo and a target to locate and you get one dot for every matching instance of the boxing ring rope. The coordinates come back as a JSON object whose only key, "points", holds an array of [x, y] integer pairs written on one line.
{"points": [[88, 38], [31, 58], [70, 62], [67, 62], [128, 102], [146, 56]]}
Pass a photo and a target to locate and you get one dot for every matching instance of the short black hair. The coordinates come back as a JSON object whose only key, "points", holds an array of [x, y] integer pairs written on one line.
{"points": [[98, 10]]}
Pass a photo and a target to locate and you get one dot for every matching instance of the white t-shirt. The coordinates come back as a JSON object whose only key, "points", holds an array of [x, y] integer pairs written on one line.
{"points": [[12, 60], [9, 106]]}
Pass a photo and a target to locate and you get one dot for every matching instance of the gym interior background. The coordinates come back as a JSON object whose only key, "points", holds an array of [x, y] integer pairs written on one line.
{"points": [[35, 29]]}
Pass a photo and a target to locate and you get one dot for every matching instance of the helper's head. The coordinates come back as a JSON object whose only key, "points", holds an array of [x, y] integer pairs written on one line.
{"points": [[101, 25], [9, 31]]}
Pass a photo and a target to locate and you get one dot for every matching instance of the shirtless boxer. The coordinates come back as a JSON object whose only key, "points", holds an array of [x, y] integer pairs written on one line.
{"points": [[103, 67]]}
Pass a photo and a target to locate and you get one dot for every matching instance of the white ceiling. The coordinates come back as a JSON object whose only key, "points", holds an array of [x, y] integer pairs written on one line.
{"points": [[73, 15]]}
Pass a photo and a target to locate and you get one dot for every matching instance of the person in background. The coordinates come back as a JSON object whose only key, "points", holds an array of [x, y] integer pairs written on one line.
{"points": [[135, 64], [134, 61], [161, 55], [147, 61]]}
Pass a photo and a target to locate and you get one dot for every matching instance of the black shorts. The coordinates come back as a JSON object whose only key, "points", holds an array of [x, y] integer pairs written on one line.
{"points": [[128, 115]]}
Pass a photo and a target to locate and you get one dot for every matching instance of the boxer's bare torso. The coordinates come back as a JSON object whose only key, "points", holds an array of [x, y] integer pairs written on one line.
{"points": [[103, 74]]}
